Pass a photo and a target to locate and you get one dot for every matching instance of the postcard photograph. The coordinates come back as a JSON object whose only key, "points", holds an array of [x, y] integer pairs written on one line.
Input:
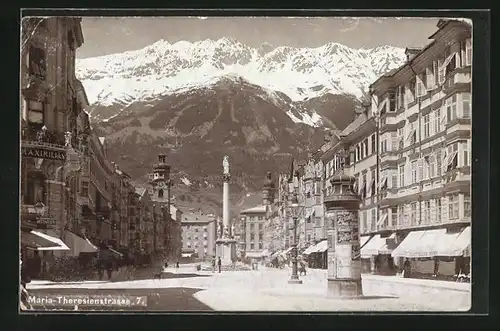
{"points": [[252, 164]]}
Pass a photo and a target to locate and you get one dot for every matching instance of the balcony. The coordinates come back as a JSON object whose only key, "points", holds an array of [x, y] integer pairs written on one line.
{"points": [[42, 143]]}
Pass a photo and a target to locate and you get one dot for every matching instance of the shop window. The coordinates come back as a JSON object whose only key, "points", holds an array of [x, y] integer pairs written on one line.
{"points": [[36, 190], [37, 66]]}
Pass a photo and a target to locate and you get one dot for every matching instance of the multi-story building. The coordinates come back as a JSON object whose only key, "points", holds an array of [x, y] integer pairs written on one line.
{"points": [[254, 232], [425, 145], [198, 235], [52, 100]]}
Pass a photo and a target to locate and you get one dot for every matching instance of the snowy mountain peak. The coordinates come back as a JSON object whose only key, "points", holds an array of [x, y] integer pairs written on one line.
{"points": [[163, 68]]}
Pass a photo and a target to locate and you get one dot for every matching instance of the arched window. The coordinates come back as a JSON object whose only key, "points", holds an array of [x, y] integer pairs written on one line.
{"points": [[160, 193], [36, 190]]}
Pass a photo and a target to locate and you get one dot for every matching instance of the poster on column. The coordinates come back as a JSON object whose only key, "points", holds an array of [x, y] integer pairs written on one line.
{"points": [[343, 261]]}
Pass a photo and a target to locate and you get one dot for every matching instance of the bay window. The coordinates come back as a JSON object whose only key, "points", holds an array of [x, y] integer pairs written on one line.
{"points": [[453, 206], [451, 108]]}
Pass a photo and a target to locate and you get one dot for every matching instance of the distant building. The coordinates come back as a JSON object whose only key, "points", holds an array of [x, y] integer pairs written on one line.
{"points": [[254, 220], [198, 235]]}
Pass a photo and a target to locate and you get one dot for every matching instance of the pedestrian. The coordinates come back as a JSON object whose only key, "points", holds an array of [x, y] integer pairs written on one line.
{"points": [[177, 266], [104, 261], [213, 264], [406, 269], [219, 263]]}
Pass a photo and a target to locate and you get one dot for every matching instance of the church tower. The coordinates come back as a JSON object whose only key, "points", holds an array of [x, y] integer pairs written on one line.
{"points": [[268, 190], [160, 182]]}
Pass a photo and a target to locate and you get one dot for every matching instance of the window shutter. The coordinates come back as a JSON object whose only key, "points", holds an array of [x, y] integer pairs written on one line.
{"points": [[430, 78], [441, 73]]}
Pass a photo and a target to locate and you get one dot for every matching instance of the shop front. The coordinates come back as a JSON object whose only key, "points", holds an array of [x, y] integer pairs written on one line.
{"points": [[439, 253], [377, 250]]}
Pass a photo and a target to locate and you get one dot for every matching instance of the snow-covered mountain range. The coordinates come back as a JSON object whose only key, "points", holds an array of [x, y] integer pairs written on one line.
{"points": [[300, 73]]}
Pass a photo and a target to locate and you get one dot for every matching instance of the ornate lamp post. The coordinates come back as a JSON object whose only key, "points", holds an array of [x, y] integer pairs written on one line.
{"points": [[294, 209]]}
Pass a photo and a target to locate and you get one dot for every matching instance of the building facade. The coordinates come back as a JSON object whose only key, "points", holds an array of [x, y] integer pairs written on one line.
{"points": [[199, 233], [52, 149], [409, 150], [254, 232]]}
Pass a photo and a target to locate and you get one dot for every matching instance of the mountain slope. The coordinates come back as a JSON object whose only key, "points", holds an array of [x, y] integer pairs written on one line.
{"points": [[300, 73]]}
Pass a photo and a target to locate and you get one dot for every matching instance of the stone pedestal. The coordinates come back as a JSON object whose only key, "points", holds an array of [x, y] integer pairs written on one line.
{"points": [[226, 250], [344, 258]]}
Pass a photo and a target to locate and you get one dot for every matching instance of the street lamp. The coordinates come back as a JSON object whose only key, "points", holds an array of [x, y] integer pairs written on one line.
{"points": [[294, 208]]}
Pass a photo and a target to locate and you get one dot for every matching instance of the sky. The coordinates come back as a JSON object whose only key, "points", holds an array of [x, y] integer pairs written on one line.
{"points": [[108, 35]]}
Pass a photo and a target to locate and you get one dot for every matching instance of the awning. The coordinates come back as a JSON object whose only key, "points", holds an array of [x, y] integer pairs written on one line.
{"points": [[424, 244], [58, 244], [389, 244], [33, 241], [287, 251], [455, 244], [309, 250], [321, 247], [363, 240], [372, 247], [78, 244]]}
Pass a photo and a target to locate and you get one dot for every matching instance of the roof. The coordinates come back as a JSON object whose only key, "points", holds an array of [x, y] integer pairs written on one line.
{"points": [[197, 218], [354, 125], [254, 210]]}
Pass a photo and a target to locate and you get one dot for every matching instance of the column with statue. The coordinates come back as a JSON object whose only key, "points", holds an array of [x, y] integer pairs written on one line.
{"points": [[226, 244]]}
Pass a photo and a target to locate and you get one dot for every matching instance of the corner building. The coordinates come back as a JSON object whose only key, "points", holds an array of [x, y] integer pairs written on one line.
{"points": [[424, 110]]}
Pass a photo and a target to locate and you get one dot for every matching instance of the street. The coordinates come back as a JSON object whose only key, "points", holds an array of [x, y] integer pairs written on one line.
{"points": [[263, 290]]}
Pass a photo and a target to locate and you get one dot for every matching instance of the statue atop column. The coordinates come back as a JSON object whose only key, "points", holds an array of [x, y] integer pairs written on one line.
{"points": [[225, 165]]}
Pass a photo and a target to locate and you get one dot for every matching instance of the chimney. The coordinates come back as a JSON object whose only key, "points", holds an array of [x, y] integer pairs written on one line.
{"points": [[411, 53], [162, 158]]}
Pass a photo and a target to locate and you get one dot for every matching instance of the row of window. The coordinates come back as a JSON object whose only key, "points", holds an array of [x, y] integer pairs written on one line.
{"points": [[428, 212], [432, 165], [258, 246], [431, 78], [456, 106]]}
